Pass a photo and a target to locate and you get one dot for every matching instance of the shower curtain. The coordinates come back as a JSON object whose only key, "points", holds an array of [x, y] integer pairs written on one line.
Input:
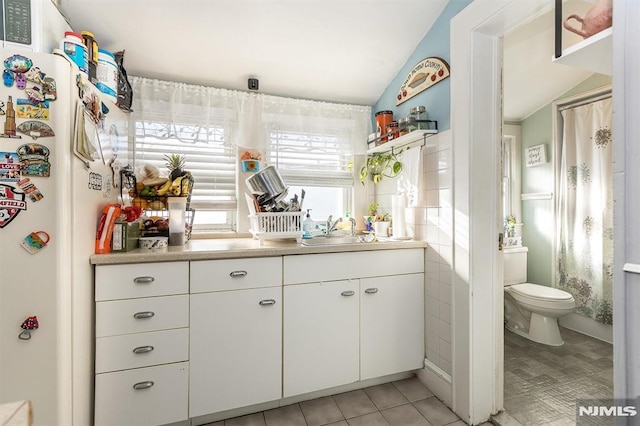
{"points": [[585, 209]]}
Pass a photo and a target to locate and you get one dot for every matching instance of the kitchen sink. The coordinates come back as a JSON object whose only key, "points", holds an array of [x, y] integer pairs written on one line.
{"points": [[333, 240]]}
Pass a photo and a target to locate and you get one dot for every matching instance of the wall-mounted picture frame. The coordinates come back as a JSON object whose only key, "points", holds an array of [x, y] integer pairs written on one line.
{"points": [[536, 155]]}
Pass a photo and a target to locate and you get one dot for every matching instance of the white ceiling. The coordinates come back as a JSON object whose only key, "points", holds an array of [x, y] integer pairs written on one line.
{"points": [[530, 79], [332, 50]]}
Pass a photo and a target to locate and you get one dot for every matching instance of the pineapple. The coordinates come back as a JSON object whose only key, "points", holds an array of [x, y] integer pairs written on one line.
{"points": [[175, 164]]}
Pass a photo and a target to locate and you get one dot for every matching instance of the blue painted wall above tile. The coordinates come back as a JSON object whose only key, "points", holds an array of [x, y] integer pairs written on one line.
{"points": [[437, 98]]}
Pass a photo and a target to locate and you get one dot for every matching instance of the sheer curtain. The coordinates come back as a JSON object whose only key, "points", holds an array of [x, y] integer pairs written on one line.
{"points": [[311, 142], [585, 209]]}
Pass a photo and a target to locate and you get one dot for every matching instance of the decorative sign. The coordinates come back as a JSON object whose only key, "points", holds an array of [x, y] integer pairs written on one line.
{"points": [[536, 155], [425, 74]]}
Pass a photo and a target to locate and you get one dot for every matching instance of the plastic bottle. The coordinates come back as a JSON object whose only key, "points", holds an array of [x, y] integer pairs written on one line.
{"points": [[73, 46], [307, 226]]}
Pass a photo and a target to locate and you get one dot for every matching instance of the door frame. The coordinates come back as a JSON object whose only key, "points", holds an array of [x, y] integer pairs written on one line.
{"points": [[476, 125]]}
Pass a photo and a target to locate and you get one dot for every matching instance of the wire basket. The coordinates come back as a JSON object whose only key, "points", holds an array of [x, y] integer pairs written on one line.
{"points": [[276, 225]]}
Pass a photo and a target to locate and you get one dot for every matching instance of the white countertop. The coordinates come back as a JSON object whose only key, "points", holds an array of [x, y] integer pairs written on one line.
{"points": [[240, 247]]}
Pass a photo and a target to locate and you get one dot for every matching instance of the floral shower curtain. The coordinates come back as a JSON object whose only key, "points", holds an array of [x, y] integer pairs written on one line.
{"points": [[585, 209]]}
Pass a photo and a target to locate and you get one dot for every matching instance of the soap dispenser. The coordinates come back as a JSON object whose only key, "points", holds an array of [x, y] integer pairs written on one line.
{"points": [[307, 226]]}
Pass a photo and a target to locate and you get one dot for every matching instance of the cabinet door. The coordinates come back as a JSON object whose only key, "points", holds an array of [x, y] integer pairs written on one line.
{"points": [[320, 336], [391, 324], [236, 349]]}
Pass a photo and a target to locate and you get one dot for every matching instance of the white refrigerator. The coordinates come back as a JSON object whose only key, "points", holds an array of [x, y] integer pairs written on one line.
{"points": [[59, 204]]}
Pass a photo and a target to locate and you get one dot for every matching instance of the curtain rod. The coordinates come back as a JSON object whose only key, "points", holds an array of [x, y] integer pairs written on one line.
{"points": [[584, 101]]}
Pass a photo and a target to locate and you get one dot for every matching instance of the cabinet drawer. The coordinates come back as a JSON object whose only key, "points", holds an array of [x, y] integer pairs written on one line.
{"points": [[141, 280], [141, 315], [341, 266], [235, 274], [143, 396], [141, 350]]}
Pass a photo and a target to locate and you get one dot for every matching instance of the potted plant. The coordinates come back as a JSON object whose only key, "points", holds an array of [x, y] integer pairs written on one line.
{"points": [[251, 161], [379, 165]]}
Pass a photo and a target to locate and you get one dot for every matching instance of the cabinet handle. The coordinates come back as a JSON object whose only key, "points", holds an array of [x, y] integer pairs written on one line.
{"points": [[267, 302], [143, 385], [143, 349], [143, 280], [142, 315], [235, 274], [371, 290], [348, 293]]}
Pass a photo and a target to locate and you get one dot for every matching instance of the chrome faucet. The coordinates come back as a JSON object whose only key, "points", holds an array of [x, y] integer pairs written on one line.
{"points": [[353, 226], [331, 226]]}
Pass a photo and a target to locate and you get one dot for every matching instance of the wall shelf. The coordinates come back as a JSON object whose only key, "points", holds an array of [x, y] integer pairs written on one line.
{"points": [[404, 140], [591, 54]]}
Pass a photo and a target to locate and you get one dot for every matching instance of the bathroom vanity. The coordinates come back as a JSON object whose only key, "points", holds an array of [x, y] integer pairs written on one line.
{"points": [[221, 325]]}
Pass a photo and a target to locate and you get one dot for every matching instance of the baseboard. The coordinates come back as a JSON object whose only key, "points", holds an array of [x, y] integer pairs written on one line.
{"points": [[588, 326], [438, 382]]}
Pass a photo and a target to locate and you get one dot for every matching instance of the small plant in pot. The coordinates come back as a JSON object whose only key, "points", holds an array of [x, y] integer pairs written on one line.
{"points": [[380, 165]]}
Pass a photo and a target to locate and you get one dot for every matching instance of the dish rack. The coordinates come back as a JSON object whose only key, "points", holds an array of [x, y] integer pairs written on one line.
{"points": [[276, 225]]}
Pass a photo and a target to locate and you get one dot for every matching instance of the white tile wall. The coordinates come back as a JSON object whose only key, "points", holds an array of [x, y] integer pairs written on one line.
{"points": [[433, 224]]}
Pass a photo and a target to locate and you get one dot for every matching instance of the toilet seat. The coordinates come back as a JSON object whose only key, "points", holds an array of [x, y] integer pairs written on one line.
{"points": [[541, 296]]}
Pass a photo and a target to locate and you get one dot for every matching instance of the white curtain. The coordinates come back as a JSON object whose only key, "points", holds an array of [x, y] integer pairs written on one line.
{"points": [[585, 209]]}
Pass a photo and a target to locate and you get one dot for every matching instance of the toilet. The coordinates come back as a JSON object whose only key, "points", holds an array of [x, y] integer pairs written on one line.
{"points": [[532, 310]]}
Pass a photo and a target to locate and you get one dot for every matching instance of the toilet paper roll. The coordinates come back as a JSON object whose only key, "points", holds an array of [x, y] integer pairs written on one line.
{"points": [[398, 203]]}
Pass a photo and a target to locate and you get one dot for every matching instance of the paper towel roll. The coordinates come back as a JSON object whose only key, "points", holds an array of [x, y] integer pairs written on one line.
{"points": [[398, 203]]}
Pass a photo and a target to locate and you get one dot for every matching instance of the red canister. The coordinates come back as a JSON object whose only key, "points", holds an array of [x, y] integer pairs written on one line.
{"points": [[383, 119]]}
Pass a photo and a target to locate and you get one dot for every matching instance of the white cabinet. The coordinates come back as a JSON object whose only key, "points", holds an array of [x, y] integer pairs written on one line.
{"points": [[320, 336], [236, 335], [391, 324], [331, 339], [142, 344]]}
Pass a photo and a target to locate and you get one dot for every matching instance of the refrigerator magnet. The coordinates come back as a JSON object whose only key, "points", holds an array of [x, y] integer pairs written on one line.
{"points": [[11, 204], [35, 241], [28, 325], [9, 167], [25, 109], [35, 129], [30, 189], [34, 160]]}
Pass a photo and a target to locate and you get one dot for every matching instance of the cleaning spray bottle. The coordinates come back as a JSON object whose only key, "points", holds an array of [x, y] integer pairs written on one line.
{"points": [[307, 226]]}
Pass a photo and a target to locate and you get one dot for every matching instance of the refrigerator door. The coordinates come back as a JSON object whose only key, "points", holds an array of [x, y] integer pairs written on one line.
{"points": [[53, 368]]}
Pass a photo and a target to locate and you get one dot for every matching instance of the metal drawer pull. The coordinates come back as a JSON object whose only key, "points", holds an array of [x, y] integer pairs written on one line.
{"points": [[348, 293], [143, 280], [371, 290], [143, 385], [142, 315], [143, 349], [235, 274], [266, 302]]}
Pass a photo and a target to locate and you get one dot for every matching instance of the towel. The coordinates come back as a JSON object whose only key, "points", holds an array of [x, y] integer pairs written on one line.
{"points": [[397, 215], [410, 180]]}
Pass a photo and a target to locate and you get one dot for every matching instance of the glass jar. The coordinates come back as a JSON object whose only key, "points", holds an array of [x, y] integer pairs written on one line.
{"points": [[419, 114], [392, 130], [406, 125]]}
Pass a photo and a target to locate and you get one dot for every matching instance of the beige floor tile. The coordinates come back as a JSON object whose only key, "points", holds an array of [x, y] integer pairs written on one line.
{"points": [[404, 415], [435, 411], [385, 396], [291, 415], [355, 403], [413, 389], [373, 419], [321, 411], [256, 419]]}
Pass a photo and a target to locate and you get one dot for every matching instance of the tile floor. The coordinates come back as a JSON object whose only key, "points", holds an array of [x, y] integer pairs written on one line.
{"points": [[402, 403], [542, 383]]}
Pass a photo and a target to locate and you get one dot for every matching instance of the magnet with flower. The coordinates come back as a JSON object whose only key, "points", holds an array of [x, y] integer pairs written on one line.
{"points": [[250, 161]]}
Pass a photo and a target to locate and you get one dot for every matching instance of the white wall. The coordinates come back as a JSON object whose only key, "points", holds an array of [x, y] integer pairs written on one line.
{"points": [[432, 222]]}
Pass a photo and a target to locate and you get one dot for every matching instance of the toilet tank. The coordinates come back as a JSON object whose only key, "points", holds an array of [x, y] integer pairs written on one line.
{"points": [[515, 265]]}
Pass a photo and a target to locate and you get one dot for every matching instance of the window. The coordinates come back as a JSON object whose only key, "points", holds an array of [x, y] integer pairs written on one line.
{"points": [[210, 161]]}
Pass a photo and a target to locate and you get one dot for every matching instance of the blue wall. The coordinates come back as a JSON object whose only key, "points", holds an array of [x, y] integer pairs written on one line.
{"points": [[437, 98]]}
